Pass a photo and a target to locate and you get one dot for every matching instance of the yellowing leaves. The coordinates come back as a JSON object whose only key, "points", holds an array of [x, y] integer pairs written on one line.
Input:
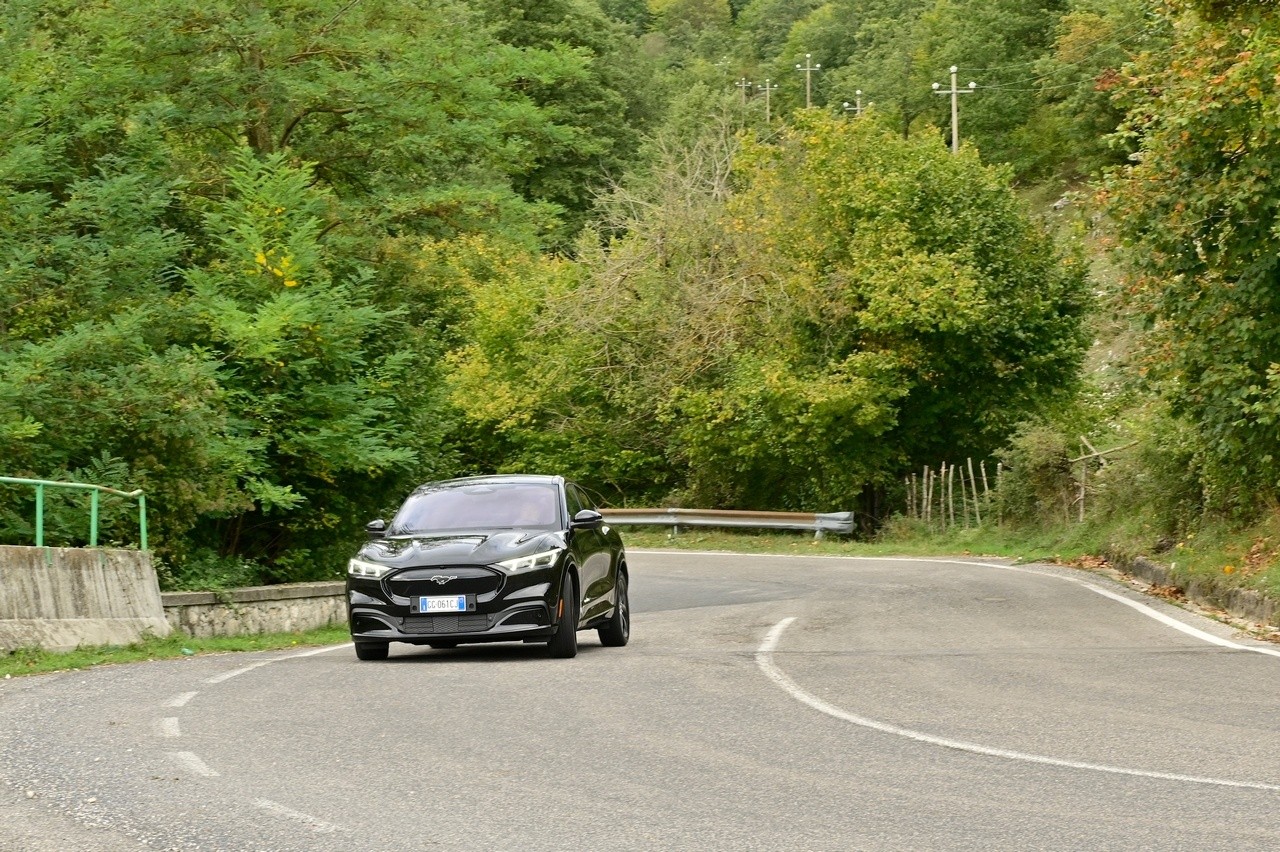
{"points": [[282, 268]]}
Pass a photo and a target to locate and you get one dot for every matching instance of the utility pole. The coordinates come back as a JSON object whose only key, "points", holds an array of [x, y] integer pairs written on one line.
{"points": [[856, 106], [766, 88], [808, 68], [743, 84], [955, 92]]}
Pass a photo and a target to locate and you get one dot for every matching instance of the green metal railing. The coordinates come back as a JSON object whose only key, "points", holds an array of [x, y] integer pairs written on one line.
{"points": [[95, 492]]}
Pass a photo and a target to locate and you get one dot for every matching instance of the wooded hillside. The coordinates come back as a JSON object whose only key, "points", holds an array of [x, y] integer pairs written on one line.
{"points": [[277, 262]]}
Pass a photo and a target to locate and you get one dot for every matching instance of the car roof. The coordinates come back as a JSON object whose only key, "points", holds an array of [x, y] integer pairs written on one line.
{"points": [[495, 479]]}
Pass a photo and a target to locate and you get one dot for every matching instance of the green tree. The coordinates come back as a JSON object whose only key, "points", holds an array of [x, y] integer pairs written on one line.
{"points": [[410, 111], [212, 221], [786, 325], [309, 377], [887, 63], [568, 371], [917, 299], [597, 106], [764, 24], [1072, 131], [995, 44], [1198, 214]]}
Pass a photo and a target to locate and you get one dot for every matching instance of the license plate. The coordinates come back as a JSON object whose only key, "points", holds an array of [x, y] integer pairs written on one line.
{"points": [[453, 603]]}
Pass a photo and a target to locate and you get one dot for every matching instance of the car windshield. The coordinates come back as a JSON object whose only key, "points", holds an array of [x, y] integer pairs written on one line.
{"points": [[485, 506]]}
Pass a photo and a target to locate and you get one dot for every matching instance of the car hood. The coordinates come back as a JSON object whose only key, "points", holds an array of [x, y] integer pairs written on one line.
{"points": [[483, 548]]}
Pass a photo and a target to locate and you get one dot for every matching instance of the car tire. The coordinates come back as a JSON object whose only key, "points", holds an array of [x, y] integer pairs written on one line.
{"points": [[616, 632], [564, 644], [372, 650]]}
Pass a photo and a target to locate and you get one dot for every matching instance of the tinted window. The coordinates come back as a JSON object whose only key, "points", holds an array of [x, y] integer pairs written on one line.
{"points": [[581, 498], [574, 498], [478, 507]]}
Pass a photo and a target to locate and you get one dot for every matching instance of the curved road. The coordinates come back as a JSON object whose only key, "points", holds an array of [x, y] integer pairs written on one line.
{"points": [[764, 703]]}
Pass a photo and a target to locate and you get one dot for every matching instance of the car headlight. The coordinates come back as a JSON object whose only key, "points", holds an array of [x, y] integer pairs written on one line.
{"points": [[358, 568], [545, 559]]}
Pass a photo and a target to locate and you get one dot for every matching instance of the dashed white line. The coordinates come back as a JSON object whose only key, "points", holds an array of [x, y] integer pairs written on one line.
{"points": [[167, 727], [764, 659], [317, 825], [181, 699], [193, 764], [225, 676], [237, 672]]}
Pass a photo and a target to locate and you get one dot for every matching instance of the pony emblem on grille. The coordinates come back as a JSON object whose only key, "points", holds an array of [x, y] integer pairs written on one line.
{"points": [[441, 579]]}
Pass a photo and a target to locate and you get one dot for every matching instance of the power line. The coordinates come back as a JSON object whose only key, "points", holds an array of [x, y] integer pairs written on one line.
{"points": [[1076, 85], [1128, 37], [1045, 76]]}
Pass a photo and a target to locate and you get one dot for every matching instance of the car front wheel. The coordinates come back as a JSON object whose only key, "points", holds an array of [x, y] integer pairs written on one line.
{"points": [[564, 644], [617, 630], [372, 650]]}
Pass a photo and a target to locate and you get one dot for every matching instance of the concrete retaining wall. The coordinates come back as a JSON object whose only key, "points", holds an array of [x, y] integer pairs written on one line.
{"points": [[58, 598], [257, 609]]}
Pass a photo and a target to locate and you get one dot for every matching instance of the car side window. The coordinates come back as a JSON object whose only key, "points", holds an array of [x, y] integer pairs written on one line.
{"points": [[584, 497], [573, 499]]}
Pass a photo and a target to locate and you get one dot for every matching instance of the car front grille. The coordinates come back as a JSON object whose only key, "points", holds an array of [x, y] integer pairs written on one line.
{"points": [[450, 580], [435, 624]]}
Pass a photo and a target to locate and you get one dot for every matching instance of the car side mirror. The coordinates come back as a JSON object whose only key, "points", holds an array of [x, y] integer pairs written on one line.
{"points": [[587, 519], [376, 529]]}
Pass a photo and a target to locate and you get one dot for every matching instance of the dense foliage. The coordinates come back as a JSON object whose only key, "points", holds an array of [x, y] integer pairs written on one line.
{"points": [[1201, 214], [212, 218], [783, 325]]}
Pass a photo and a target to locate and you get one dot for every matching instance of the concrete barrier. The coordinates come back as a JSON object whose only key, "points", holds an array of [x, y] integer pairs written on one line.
{"points": [[58, 598], [257, 609]]}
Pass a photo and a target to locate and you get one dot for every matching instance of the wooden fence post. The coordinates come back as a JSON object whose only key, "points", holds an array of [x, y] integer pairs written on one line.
{"points": [[951, 493], [926, 496], [977, 510], [999, 480]]}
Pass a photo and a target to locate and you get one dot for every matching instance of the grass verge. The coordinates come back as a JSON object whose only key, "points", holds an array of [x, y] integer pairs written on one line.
{"points": [[25, 661], [1048, 546]]}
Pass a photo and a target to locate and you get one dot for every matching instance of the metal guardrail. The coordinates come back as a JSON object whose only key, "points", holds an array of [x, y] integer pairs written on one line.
{"points": [[820, 523], [94, 493]]}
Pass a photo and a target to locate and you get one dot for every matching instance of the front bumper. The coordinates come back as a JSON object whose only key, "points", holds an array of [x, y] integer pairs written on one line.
{"points": [[500, 608], [518, 622]]}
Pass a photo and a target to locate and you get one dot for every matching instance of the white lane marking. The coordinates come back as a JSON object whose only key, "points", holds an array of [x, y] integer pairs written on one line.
{"points": [[1178, 625], [193, 764], [237, 672], [181, 699], [764, 659], [317, 825], [225, 676], [167, 727], [1142, 608]]}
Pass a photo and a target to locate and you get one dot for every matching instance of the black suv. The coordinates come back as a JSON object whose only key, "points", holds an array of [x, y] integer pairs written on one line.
{"points": [[489, 559]]}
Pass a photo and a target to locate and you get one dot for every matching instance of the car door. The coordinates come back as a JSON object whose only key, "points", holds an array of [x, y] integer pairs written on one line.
{"points": [[593, 556]]}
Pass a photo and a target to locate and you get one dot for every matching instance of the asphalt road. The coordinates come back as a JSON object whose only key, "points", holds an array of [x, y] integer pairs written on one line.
{"points": [[763, 703]]}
